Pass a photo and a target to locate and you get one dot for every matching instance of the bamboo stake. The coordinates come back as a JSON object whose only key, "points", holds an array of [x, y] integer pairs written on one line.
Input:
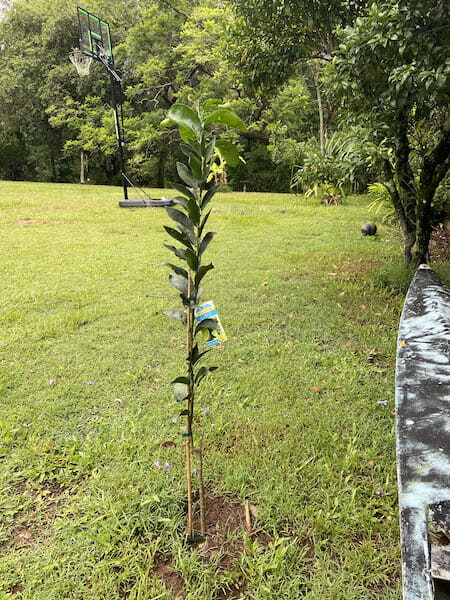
{"points": [[188, 408], [248, 520], [201, 490]]}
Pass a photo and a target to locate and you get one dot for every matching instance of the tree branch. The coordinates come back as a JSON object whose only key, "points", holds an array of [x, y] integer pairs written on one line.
{"points": [[175, 9], [255, 135], [437, 163]]}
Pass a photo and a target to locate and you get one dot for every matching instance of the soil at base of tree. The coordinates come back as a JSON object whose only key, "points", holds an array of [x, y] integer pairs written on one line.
{"points": [[226, 523], [439, 248]]}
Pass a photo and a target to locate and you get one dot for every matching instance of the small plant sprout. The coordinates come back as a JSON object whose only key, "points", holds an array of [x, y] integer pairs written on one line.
{"points": [[190, 216]]}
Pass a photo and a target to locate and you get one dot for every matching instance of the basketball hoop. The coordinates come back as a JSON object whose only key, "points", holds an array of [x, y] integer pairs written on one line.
{"points": [[81, 62]]}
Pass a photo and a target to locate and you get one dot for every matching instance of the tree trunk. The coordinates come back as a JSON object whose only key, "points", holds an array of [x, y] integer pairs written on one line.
{"points": [[53, 168], [435, 167], [82, 167], [161, 177], [407, 225], [319, 103], [423, 231]]}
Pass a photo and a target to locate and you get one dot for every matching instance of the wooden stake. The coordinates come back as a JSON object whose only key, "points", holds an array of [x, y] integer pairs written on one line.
{"points": [[248, 520], [201, 489]]}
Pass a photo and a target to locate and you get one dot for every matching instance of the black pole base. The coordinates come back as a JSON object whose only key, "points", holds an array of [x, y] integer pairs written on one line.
{"points": [[143, 202]]}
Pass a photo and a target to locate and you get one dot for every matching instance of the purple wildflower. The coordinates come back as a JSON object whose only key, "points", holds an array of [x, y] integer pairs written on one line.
{"points": [[167, 466], [52, 381], [383, 402], [157, 465]]}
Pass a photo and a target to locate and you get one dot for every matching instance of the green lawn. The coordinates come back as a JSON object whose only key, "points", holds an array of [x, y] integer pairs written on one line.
{"points": [[294, 424]]}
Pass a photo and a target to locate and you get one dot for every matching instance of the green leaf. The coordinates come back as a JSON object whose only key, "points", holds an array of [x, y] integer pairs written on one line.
{"points": [[186, 117], [181, 391], [193, 211], [228, 152], [179, 252], [199, 357], [177, 235], [212, 103], [205, 242], [186, 175], [196, 148], [177, 315], [178, 270], [180, 218], [182, 379], [195, 165], [191, 259], [209, 324], [186, 150], [209, 194], [209, 152], [202, 272], [186, 134], [203, 223], [203, 372], [179, 283], [181, 201], [225, 116], [188, 192], [167, 123]]}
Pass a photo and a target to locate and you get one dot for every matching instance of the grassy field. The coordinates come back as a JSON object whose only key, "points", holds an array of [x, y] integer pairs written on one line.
{"points": [[298, 420]]}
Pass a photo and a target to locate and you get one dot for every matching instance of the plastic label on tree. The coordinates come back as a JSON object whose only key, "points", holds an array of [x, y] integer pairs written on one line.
{"points": [[207, 310]]}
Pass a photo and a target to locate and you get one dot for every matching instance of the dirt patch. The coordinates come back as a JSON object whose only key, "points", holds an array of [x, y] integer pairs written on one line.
{"points": [[34, 222], [226, 522], [439, 248], [43, 502]]}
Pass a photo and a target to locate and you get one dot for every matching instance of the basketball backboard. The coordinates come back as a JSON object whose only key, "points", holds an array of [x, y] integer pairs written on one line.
{"points": [[95, 38]]}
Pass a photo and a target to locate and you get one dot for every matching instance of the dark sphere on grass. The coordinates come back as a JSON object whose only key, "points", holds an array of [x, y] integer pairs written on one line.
{"points": [[369, 228]]}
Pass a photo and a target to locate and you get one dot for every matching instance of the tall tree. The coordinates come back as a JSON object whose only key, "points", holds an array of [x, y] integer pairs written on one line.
{"points": [[272, 37], [273, 40], [30, 41], [36, 37], [393, 70]]}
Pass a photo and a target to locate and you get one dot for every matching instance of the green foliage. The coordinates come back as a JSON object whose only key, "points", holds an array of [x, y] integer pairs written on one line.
{"points": [[198, 188], [393, 67], [345, 163], [271, 39], [381, 202]]}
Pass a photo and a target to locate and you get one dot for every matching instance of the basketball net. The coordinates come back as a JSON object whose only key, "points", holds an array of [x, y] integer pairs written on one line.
{"points": [[81, 62]]}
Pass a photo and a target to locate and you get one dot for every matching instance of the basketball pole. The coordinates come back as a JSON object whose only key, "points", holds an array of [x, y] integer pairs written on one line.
{"points": [[95, 43], [118, 133], [114, 78]]}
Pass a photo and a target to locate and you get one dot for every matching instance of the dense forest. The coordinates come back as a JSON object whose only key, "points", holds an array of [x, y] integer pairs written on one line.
{"points": [[336, 95]]}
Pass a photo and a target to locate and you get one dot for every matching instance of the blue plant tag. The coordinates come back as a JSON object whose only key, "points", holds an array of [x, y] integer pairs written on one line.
{"points": [[207, 310]]}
